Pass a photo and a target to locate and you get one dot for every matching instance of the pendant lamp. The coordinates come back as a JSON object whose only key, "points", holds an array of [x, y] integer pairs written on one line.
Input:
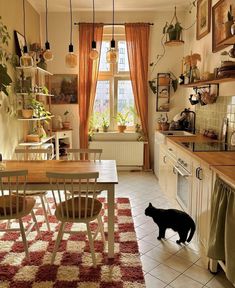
{"points": [[25, 59], [71, 58], [94, 54], [112, 54], [47, 55]]}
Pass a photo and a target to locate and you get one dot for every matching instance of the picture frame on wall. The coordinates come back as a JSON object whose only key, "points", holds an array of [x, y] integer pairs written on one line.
{"points": [[220, 24], [19, 43], [64, 87], [203, 18]]}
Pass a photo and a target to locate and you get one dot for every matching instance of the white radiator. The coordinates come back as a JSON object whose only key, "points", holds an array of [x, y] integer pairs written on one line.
{"points": [[126, 153]]}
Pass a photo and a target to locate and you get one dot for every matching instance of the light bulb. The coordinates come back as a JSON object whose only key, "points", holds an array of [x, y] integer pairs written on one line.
{"points": [[94, 54], [48, 55], [71, 58], [112, 54], [25, 59]]}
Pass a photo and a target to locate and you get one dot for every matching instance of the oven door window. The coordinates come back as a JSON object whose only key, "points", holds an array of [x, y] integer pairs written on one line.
{"points": [[183, 192]]}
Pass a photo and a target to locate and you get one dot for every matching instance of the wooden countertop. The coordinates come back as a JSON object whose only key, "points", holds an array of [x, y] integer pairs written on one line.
{"points": [[223, 163], [227, 173]]}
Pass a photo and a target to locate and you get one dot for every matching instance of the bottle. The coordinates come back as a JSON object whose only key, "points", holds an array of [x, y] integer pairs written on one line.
{"points": [[181, 79]]}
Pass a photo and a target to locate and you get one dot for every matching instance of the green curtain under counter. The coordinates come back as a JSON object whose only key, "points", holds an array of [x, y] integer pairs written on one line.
{"points": [[222, 231]]}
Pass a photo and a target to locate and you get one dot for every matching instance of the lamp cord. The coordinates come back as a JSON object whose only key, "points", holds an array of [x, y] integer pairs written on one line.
{"points": [[93, 31], [24, 21], [46, 24], [71, 20], [113, 22]]}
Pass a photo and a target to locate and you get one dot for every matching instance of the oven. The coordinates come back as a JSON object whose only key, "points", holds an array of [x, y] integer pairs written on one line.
{"points": [[184, 183]]}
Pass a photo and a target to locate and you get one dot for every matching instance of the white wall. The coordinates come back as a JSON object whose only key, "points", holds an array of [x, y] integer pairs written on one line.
{"points": [[11, 130], [59, 24]]}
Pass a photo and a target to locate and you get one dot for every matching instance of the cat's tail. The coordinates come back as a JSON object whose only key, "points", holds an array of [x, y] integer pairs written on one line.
{"points": [[192, 230]]}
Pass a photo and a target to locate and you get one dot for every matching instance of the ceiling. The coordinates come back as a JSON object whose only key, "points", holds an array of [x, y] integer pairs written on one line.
{"points": [[106, 5]]}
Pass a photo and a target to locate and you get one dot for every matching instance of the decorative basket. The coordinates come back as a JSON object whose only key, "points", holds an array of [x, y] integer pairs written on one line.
{"points": [[32, 138]]}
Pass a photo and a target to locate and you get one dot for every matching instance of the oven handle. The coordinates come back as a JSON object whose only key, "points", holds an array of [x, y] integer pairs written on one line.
{"points": [[182, 171]]}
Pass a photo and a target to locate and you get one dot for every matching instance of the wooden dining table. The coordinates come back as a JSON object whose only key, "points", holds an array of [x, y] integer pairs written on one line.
{"points": [[37, 180]]}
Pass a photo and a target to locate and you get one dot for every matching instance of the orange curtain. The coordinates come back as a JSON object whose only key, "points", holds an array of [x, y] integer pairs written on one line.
{"points": [[88, 75], [137, 38]]}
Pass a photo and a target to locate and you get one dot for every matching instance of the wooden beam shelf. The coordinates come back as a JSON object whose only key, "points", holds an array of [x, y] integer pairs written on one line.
{"points": [[209, 82]]}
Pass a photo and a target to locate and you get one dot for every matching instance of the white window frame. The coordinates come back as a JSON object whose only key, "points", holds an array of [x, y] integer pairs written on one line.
{"points": [[113, 76]]}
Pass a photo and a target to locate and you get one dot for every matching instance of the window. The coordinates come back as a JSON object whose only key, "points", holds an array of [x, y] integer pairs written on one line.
{"points": [[114, 90]]}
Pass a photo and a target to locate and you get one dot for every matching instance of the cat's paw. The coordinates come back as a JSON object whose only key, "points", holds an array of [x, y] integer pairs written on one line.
{"points": [[159, 238], [178, 242]]}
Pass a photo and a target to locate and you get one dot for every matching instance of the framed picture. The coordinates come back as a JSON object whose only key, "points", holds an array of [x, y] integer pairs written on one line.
{"points": [[203, 18], [19, 42], [64, 87], [219, 23]]}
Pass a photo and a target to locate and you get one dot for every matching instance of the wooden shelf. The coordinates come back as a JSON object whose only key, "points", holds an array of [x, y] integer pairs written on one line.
{"points": [[43, 140], [209, 82], [34, 119], [38, 94], [33, 69]]}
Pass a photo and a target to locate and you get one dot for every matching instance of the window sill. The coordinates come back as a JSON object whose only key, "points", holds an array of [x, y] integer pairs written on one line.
{"points": [[115, 136]]}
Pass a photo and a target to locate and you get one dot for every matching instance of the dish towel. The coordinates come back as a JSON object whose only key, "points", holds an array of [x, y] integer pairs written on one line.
{"points": [[222, 231]]}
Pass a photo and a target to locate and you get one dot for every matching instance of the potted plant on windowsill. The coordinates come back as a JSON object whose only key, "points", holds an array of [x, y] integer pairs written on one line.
{"points": [[122, 121]]}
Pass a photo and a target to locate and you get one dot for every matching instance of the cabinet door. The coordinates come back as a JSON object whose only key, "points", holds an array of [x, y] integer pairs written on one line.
{"points": [[205, 174], [163, 169], [171, 180]]}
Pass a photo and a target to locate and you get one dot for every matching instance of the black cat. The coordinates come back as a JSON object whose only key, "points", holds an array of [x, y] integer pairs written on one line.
{"points": [[175, 219]]}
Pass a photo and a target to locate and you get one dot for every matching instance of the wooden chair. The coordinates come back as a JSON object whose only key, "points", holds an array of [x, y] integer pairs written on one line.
{"points": [[83, 154], [79, 207], [16, 205], [32, 154]]}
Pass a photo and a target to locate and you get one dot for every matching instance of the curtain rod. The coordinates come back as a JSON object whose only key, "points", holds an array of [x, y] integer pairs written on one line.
{"points": [[110, 24]]}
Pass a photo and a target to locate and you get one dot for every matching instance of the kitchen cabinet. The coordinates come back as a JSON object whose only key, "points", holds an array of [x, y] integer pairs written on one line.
{"points": [[167, 175], [200, 199]]}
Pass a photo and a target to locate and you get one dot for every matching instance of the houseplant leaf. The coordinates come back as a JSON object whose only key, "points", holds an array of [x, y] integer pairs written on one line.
{"points": [[5, 79]]}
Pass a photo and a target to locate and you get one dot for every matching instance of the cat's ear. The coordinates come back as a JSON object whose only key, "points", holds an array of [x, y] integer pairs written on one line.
{"points": [[150, 204]]}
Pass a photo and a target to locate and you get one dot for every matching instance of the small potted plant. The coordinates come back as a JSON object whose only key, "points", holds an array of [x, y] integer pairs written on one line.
{"points": [[122, 120], [105, 124], [66, 122]]}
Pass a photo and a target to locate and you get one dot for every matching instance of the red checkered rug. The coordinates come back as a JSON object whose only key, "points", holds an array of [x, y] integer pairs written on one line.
{"points": [[73, 265]]}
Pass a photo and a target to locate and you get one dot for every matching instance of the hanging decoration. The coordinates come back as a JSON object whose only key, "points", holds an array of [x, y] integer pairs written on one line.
{"points": [[71, 58], [173, 32], [47, 55], [94, 54], [112, 54], [25, 59]]}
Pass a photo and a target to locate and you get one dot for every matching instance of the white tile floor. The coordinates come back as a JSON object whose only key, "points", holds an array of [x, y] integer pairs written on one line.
{"points": [[165, 263]]}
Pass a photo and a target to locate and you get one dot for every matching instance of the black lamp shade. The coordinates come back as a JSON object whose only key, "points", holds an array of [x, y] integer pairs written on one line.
{"points": [[113, 43], [47, 45], [93, 44], [71, 48], [25, 49]]}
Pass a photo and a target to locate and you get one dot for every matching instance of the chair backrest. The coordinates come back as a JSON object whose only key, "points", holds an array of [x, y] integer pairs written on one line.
{"points": [[34, 154], [11, 204], [83, 154], [79, 202]]}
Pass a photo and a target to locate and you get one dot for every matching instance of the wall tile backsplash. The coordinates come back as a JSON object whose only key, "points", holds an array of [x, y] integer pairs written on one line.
{"points": [[211, 116]]}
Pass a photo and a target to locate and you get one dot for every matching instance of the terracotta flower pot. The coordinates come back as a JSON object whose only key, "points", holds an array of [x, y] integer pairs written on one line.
{"points": [[121, 128], [27, 113], [163, 81], [66, 125], [165, 126]]}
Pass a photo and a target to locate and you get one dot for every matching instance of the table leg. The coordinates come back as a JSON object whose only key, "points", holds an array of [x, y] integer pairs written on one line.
{"points": [[111, 193]]}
